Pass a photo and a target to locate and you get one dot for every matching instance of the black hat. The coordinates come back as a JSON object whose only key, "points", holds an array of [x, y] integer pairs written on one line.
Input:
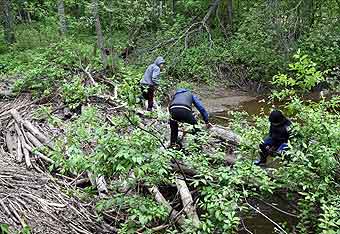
{"points": [[277, 118]]}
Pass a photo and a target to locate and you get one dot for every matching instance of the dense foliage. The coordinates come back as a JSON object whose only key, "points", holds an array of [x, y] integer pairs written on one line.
{"points": [[260, 35]]}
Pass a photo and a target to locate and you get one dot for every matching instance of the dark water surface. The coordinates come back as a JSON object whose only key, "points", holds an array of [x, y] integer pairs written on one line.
{"points": [[254, 106], [279, 210]]}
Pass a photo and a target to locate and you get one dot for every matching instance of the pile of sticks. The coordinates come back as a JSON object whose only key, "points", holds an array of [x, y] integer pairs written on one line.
{"points": [[29, 198], [25, 141]]}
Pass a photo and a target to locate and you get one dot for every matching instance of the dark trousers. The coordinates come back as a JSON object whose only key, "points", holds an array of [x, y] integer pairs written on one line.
{"points": [[269, 147], [179, 115], [148, 93]]}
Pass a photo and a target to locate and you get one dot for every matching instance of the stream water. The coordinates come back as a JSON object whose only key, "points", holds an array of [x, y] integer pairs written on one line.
{"points": [[218, 102], [218, 105]]}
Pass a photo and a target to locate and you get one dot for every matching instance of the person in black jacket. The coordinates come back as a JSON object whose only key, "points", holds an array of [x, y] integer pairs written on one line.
{"points": [[181, 111], [277, 141]]}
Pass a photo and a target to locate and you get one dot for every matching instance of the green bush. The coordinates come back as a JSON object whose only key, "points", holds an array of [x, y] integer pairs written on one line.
{"points": [[141, 211], [323, 43], [305, 76], [42, 70]]}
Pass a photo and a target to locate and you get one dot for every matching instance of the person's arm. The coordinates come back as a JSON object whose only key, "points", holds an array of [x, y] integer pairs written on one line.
{"points": [[156, 75], [198, 104]]}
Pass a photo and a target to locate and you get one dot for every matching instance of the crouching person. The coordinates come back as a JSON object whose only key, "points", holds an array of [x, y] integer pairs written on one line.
{"points": [[277, 140], [181, 111]]}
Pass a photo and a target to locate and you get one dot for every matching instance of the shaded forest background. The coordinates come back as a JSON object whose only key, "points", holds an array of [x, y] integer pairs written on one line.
{"points": [[231, 40]]}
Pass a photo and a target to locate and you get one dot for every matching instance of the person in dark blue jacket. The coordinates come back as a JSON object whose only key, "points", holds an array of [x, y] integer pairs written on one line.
{"points": [[277, 140], [181, 111]]}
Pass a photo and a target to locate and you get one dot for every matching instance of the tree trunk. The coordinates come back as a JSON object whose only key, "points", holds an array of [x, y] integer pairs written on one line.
{"points": [[100, 37], [211, 11], [8, 21], [229, 13], [174, 7], [337, 2], [62, 20], [160, 8], [309, 13]]}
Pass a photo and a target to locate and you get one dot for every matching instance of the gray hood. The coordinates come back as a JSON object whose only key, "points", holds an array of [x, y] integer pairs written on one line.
{"points": [[159, 61]]}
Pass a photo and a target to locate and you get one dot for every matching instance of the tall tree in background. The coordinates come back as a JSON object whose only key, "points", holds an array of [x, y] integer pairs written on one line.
{"points": [[229, 14], [8, 21], [62, 20], [100, 37]]}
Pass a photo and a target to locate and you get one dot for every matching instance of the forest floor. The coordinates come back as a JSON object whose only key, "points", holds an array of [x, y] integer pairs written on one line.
{"points": [[30, 195]]}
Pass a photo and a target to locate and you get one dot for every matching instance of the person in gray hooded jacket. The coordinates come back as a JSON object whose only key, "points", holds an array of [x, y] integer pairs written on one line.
{"points": [[151, 80]]}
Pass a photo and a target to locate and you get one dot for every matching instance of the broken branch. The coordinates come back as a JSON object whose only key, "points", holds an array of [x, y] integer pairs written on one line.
{"points": [[188, 202]]}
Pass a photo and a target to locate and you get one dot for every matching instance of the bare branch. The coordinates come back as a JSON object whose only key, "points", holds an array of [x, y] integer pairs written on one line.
{"points": [[265, 216]]}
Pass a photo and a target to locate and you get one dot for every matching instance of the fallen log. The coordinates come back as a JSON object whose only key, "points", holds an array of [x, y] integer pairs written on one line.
{"points": [[34, 140], [26, 148], [86, 70], [21, 142], [26, 138], [15, 213], [174, 215], [188, 203], [225, 134]]}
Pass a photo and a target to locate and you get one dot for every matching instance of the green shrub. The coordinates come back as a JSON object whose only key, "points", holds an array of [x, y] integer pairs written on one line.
{"points": [[42, 70], [305, 77], [323, 43]]}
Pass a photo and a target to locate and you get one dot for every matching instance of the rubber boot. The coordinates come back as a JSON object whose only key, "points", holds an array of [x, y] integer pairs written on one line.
{"points": [[177, 145], [262, 160]]}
